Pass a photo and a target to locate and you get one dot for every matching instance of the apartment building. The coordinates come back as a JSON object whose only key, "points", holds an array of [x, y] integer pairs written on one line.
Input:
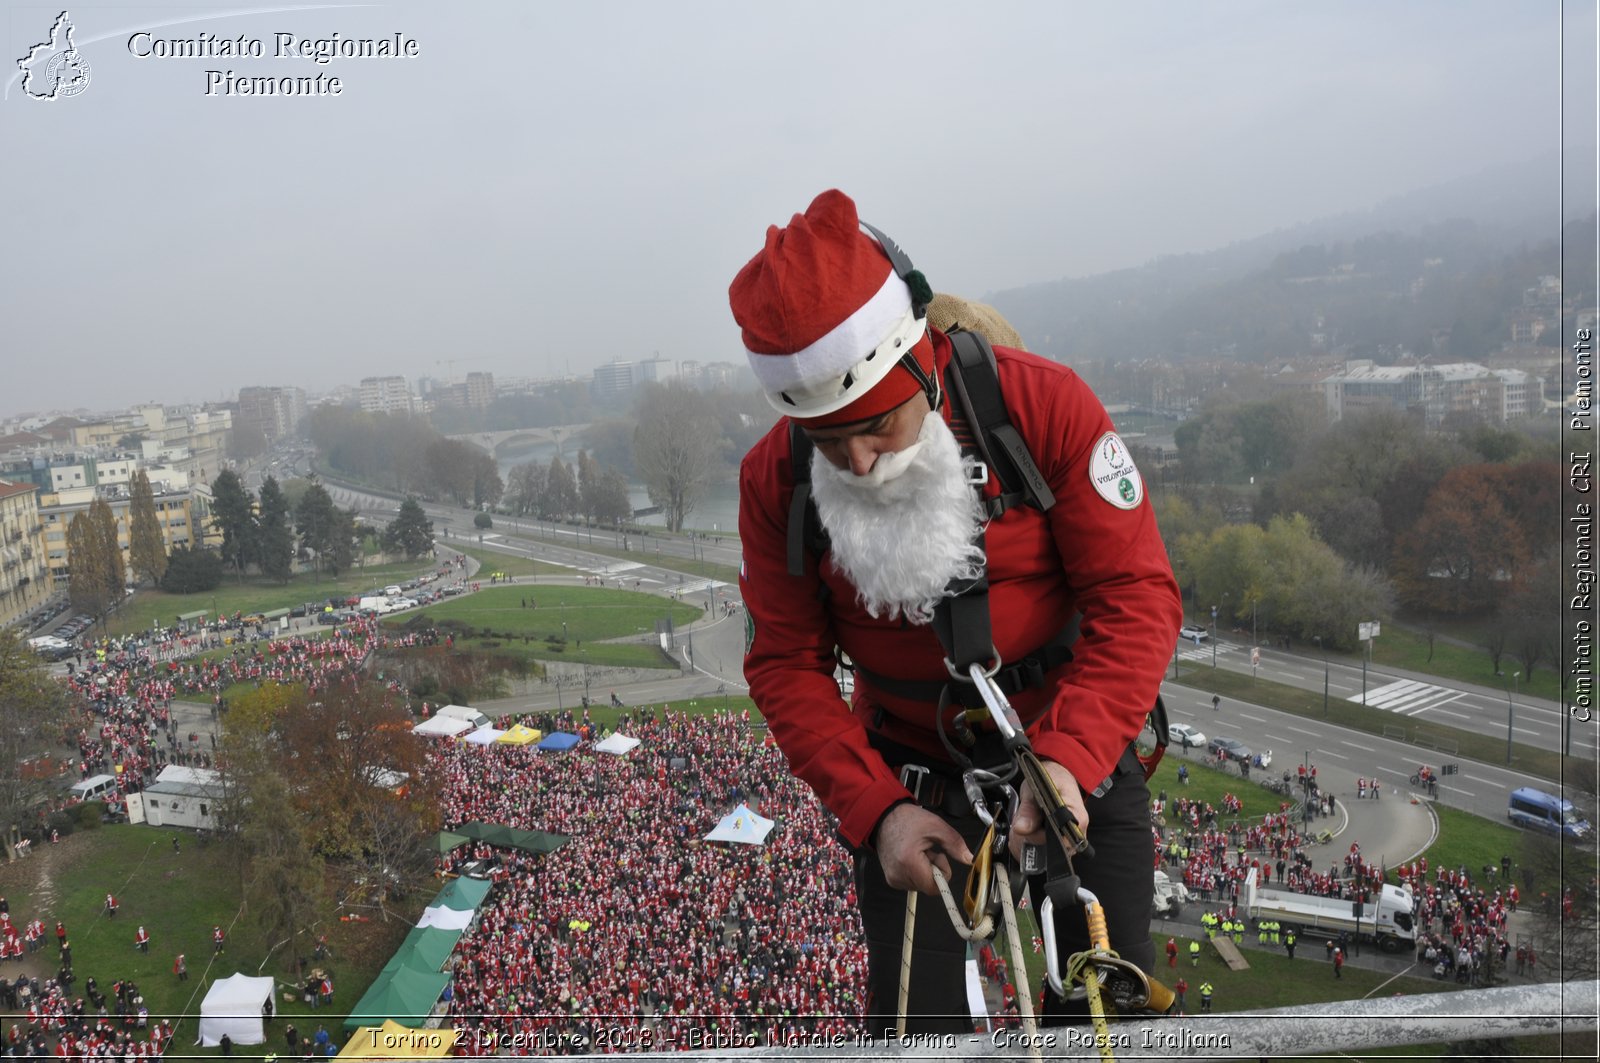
{"points": [[385, 394], [24, 585]]}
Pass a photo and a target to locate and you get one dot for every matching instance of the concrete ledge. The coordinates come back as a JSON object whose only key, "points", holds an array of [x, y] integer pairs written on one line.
{"points": [[1337, 1027]]}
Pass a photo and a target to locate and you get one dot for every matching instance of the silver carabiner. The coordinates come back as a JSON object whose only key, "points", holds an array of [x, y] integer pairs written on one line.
{"points": [[994, 699], [955, 673], [1052, 959]]}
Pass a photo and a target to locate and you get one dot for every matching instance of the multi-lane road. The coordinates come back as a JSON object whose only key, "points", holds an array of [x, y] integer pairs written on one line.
{"points": [[1411, 697]]}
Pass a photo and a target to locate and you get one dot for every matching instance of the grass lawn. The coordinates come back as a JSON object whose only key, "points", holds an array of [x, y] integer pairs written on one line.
{"points": [[151, 607], [561, 622], [511, 564], [178, 897]]}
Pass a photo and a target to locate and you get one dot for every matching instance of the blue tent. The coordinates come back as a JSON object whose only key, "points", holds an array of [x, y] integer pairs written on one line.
{"points": [[559, 740]]}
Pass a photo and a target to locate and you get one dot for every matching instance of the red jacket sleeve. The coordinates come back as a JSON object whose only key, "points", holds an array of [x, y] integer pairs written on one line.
{"points": [[789, 662], [1116, 565]]}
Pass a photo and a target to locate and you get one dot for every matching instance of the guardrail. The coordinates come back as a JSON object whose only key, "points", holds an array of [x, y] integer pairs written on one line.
{"points": [[1336, 1027]]}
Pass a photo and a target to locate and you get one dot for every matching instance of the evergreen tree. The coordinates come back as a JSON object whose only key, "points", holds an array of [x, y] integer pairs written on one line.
{"points": [[190, 571], [314, 519], [147, 550], [275, 539], [342, 540], [230, 510], [411, 531]]}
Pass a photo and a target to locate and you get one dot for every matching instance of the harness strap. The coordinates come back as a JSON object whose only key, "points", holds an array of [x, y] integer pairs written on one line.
{"points": [[972, 361], [1012, 678]]}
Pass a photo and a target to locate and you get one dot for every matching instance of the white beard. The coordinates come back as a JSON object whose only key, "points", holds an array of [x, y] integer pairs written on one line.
{"points": [[902, 532]]}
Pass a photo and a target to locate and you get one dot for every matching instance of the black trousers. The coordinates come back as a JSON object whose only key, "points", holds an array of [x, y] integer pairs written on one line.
{"points": [[1119, 874]]}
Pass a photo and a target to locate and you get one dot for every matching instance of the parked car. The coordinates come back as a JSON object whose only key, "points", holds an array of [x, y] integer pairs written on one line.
{"points": [[1231, 749], [1181, 734], [1193, 632]]}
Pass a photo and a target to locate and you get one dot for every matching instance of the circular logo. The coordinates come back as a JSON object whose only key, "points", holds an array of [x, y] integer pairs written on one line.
{"points": [[67, 73], [1113, 473]]}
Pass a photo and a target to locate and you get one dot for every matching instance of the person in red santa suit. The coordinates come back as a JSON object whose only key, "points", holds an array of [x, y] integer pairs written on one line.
{"points": [[838, 339]]}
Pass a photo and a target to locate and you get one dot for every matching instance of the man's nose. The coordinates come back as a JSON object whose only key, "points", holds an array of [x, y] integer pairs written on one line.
{"points": [[862, 453]]}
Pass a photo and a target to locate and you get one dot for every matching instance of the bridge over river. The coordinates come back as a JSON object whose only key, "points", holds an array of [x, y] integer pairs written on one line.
{"points": [[521, 438]]}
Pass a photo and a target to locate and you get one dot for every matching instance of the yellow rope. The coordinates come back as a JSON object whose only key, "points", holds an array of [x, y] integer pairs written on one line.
{"points": [[1081, 969]]}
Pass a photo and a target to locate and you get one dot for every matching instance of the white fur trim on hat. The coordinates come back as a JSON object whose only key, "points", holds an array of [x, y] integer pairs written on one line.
{"points": [[861, 349], [846, 344]]}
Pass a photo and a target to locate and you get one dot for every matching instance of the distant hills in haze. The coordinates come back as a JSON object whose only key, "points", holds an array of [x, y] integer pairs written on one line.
{"points": [[1439, 270]]}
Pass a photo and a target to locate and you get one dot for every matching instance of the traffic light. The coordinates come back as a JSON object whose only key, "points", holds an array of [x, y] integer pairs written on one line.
{"points": [[1449, 769]]}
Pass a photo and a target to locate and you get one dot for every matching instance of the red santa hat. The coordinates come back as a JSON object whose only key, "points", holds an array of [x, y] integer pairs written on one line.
{"points": [[825, 318]]}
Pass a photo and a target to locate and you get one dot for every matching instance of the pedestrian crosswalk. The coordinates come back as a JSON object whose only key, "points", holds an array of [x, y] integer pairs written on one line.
{"points": [[1188, 651], [1408, 697]]}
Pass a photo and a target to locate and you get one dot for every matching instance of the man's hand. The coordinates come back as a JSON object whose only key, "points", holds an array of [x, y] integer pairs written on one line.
{"points": [[1029, 824], [911, 842]]}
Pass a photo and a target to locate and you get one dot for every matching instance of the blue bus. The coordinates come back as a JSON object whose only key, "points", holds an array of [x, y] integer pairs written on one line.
{"points": [[1541, 811]]}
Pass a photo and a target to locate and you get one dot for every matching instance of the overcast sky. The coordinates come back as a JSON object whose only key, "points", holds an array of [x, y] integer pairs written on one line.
{"points": [[549, 186]]}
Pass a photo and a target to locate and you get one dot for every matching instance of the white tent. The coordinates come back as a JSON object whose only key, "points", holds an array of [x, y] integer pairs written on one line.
{"points": [[617, 743], [446, 918], [485, 736], [233, 1006], [441, 725], [742, 826]]}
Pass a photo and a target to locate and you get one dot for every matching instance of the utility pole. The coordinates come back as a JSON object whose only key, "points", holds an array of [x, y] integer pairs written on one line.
{"points": [[1318, 640], [1511, 712]]}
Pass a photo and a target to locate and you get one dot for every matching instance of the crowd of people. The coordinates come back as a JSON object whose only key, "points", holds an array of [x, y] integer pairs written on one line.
{"points": [[638, 933], [1461, 926], [123, 723]]}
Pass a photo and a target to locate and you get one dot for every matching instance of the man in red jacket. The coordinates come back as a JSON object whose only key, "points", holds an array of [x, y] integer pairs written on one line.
{"points": [[838, 339]]}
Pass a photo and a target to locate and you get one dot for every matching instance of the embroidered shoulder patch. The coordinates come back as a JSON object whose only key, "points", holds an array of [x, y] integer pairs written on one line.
{"points": [[1113, 474]]}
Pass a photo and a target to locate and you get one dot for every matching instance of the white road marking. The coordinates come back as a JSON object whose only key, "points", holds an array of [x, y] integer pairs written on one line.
{"points": [[1459, 790], [1353, 745], [1457, 715], [1331, 753], [1257, 719], [1303, 731]]}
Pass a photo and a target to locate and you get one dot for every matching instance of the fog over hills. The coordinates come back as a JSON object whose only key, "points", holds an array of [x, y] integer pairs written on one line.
{"points": [[1162, 307]]}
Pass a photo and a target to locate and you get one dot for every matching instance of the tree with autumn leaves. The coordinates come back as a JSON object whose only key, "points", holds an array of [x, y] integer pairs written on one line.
{"points": [[326, 791], [1485, 545]]}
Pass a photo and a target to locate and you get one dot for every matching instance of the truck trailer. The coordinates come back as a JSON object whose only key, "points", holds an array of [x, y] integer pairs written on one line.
{"points": [[1387, 919]]}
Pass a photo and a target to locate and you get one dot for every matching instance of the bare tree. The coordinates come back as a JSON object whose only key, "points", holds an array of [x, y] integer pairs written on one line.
{"points": [[676, 449]]}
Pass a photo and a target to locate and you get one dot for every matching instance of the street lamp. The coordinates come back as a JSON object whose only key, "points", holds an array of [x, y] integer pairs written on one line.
{"points": [[1318, 640], [1213, 638], [1511, 712]]}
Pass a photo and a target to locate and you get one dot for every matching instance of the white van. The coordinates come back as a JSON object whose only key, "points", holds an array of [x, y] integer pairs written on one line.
{"points": [[93, 788], [464, 712]]}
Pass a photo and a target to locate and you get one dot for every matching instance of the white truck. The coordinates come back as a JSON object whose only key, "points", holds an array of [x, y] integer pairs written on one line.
{"points": [[1170, 896], [375, 604], [1386, 920]]}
